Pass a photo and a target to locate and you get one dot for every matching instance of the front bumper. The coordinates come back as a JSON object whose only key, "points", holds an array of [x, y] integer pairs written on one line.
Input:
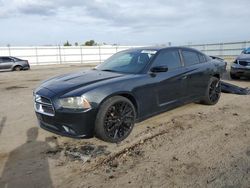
{"points": [[240, 71], [74, 125], [26, 67]]}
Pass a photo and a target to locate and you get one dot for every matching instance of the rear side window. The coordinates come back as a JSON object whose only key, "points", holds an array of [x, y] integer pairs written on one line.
{"points": [[169, 58], [6, 59], [190, 57], [16, 59], [202, 58]]}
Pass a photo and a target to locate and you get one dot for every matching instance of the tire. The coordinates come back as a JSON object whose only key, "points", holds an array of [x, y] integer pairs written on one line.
{"points": [[115, 119], [234, 77], [213, 92], [17, 68]]}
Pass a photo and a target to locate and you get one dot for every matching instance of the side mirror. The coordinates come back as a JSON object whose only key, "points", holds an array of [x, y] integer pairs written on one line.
{"points": [[159, 69]]}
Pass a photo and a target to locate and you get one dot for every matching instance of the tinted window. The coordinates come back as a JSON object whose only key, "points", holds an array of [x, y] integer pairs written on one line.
{"points": [[202, 58], [190, 57], [132, 61], [169, 58], [246, 51], [16, 59], [6, 59]]}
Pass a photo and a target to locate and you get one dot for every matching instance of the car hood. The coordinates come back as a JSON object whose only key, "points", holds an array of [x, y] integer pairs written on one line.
{"points": [[243, 57], [69, 82]]}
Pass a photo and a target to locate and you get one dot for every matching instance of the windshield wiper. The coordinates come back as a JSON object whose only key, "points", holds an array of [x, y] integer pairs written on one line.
{"points": [[108, 70]]}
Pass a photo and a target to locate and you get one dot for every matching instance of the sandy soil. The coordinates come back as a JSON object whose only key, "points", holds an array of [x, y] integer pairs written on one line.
{"points": [[190, 146]]}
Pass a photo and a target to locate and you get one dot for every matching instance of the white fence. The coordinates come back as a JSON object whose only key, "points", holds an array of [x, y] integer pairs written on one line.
{"points": [[222, 49], [61, 55], [41, 55]]}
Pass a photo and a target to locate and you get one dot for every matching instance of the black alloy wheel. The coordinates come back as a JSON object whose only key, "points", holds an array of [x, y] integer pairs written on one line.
{"points": [[115, 119], [214, 91]]}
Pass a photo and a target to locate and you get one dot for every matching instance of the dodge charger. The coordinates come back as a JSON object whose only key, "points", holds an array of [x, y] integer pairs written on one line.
{"points": [[129, 87]]}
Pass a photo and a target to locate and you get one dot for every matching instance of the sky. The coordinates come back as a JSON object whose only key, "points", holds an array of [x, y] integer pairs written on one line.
{"points": [[123, 22]]}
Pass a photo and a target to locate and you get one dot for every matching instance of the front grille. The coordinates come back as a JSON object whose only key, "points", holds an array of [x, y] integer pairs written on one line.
{"points": [[244, 63], [44, 105]]}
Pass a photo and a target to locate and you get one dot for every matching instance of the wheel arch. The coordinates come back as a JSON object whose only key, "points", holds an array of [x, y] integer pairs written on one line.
{"points": [[127, 95], [17, 65]]}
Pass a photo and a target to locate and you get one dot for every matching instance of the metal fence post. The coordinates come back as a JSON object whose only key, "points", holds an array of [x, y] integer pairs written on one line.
{"points": [[221, 50], [205, 48], [60, 55], [9, 50], [81, 54], [100, 55], [36, 56]]}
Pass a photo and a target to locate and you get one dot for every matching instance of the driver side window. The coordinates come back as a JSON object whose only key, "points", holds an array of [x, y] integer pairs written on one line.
{"points": [[169, 58]]}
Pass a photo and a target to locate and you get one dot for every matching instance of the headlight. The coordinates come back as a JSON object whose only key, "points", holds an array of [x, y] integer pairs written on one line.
{"points": [[75, 103]]}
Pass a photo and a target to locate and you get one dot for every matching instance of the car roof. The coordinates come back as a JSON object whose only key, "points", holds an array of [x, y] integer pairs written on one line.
{"points": [[158, 48]]}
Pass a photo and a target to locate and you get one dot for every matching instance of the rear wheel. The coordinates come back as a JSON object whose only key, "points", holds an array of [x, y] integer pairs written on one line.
{"points": [[213, 92], [115, 119], [17, 68]]}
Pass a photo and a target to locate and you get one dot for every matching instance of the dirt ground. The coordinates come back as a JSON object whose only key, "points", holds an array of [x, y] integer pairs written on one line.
{"points": [[190, 146]]}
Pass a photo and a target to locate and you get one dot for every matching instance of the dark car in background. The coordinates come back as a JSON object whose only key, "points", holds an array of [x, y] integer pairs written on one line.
{"points": [[129, 87], [241, 66], [13, 63]]}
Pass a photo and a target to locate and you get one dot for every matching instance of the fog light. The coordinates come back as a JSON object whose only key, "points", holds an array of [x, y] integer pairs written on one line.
{"points": [[68, 130]]}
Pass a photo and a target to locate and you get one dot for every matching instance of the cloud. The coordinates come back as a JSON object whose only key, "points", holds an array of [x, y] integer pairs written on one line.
{"points": [[157, 13], [173, 19]]}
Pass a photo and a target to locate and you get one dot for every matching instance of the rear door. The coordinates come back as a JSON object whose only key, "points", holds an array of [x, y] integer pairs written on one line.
{"points": [[170, 86], [197, 69], [6, 63]]}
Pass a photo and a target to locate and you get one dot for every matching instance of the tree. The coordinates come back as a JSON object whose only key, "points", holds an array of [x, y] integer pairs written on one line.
{"points": [[76, 43], [90, 43], [67, 44]]}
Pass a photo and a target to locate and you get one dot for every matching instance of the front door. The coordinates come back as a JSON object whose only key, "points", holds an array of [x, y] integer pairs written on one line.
{"points": [[170, 86]]}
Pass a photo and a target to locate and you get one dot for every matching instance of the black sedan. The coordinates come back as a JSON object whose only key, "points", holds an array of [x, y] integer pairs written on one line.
{"points": [[241, 66], [129, 87]]}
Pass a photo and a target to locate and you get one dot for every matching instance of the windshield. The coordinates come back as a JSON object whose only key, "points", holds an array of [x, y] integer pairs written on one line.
{"points": [[246, 51], [127, 62]]}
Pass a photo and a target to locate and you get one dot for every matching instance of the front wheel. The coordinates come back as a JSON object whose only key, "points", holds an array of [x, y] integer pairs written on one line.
{"points": [[213, 92], [115, 119], [17, 68]]}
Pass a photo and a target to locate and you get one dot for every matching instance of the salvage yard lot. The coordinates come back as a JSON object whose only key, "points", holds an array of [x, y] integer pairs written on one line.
{"points": [[191, 146]]}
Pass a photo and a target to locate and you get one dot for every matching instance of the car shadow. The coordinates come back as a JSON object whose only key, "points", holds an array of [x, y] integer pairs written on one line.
{"points": [[2, 123], [27, 165], [6, 71]]}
